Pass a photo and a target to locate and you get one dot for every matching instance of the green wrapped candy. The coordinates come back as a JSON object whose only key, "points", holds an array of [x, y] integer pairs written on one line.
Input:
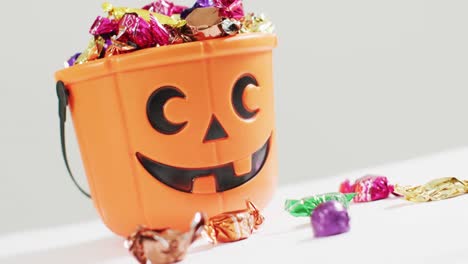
{"points": [[306, 205]]}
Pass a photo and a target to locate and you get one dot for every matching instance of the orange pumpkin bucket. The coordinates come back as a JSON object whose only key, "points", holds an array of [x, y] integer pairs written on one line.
{"points": [[165, 132]]}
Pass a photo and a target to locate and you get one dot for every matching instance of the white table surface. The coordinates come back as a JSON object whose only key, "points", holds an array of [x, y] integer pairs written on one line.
{"points": [[387, 231]]}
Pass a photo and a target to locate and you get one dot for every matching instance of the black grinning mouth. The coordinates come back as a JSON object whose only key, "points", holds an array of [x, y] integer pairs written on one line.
{"points": [[182, 179]]}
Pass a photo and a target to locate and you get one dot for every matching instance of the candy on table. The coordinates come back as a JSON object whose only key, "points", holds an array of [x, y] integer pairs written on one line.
{"points": [[235, 225], [330, 218], [368, 188], [164, 245], [435, 190], [306, 205]]}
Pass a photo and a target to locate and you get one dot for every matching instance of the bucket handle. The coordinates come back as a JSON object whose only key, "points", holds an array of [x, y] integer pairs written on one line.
{"points": [[63, 94]]}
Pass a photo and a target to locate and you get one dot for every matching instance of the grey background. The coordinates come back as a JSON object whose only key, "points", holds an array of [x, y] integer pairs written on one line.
{"points": [[358, 83]]}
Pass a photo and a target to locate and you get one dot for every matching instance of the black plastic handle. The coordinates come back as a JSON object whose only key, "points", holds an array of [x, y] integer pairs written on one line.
{"points": [[63, 94]]}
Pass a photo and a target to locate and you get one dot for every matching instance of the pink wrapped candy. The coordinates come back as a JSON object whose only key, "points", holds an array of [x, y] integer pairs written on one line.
{"points": [[104, 26], [368, 188], [135, 29], [164, 7], [230, 8]]}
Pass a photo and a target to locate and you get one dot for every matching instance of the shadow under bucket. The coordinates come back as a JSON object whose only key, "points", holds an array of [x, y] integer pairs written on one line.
{"points": [[168, 131]]}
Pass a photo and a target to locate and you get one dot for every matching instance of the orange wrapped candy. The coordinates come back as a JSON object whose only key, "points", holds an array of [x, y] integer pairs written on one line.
{"points": [[235, 225]]}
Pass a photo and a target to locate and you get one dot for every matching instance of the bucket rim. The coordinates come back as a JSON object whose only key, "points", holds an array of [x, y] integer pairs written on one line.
{"points": [[171, 54]]}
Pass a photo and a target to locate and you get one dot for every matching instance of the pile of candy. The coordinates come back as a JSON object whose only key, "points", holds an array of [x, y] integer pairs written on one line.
{"points": [[328, 212], [170, 246], [162, 23]]}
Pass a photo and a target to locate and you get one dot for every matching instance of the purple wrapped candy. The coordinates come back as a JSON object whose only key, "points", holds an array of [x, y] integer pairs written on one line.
{"points": [[330, 218], [70, 62], [205, 3], [104, 26], [198, 4]]}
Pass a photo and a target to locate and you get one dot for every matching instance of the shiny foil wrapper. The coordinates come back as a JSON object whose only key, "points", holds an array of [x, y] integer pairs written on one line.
{"points": [[198, 4], [164, 7], [119, 12], [230, 8], [368, 188], [435, 190], [134, 29], [93, 51], [104, 26], [306, 205], [225, 28], [204, 17], [72, 60], [330, 218], [252, 23], [118, 47], [206, 23], [180, 35], [162, 23], [163, 245], [235, 225]]}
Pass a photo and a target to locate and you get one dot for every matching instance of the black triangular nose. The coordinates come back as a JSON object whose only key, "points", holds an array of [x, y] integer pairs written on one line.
{"points": [[215, 130]]}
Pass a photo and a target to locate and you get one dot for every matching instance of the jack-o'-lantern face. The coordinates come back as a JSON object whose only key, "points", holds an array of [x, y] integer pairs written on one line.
{"points": [[222, 141]]}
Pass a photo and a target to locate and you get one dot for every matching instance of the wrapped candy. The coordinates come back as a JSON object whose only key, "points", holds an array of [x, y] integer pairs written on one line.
{"points": [[306, 205], [206, 23], [206, 17], [72, 60], [230, 8], [119, 12], [135, 29], [104, 26], [227, 8], [368, 188], [164, 7], [252, 23], [94, 50], [435, 190], [118, 47], [329, 218], [162, 23], [235, 225], [198, 4], [163, 245]]}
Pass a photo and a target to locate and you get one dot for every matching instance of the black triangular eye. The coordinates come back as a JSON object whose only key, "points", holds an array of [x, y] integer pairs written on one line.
{"points": [[155, 113], [237, 93]]}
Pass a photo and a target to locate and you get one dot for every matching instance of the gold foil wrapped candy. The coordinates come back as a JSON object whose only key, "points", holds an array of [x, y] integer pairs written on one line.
{"points": [[92, 52], [235, 225], [119, 12], [435, 190], [252, 23]]}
